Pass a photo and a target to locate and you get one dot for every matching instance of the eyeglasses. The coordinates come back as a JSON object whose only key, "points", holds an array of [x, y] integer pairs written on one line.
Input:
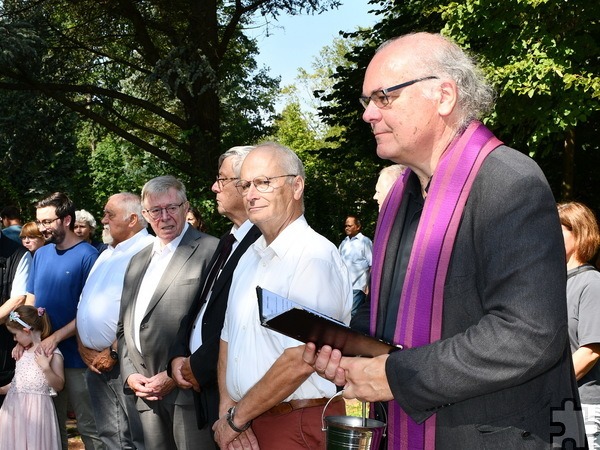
{"points": [[222, 182], [156, 213], [28, 238], [46, 222], [381, 97], [262, 184]]}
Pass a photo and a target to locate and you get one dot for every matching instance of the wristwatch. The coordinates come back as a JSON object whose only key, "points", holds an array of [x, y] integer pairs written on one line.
{"points": [[230, 416], [113, 354]]}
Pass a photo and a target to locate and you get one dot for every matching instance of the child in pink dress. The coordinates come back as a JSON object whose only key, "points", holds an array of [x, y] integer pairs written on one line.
{"points": [[27, 418]]}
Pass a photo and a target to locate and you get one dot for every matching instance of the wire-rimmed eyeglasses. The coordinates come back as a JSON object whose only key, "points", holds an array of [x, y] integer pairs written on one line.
{"points": [[262, 184], [156, 213], [46, 222], [381, 97], [222, 182]]}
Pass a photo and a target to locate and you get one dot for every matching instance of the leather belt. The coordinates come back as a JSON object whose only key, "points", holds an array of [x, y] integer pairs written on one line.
{"points": [[292, 405]]}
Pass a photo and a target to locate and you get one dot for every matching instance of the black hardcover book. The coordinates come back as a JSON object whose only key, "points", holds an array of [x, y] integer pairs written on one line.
{"points": [[306, 325]]}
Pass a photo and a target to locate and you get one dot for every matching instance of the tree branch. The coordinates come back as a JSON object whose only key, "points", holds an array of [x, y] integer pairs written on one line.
{"points": [[95, 90], [111, 126], [138, 126]]}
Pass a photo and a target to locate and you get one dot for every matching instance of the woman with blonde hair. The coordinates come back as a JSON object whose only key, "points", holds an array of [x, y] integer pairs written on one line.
{"points": [[582, 240]]}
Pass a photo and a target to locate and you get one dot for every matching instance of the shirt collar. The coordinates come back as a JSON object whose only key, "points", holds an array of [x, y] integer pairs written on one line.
{"points": [[283, 241], [128, 243], [171, 246], [241, 231]]}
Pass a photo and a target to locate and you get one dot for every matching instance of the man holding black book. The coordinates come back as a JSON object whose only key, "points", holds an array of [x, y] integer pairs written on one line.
{"points": [[468, 270], [264, 383]]}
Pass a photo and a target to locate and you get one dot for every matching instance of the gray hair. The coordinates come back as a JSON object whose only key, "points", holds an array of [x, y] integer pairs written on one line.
{"points": [[131, 204], [475, 95], [395, 170], [289, 161], [84, 216], [161, 185], [239, 153]]}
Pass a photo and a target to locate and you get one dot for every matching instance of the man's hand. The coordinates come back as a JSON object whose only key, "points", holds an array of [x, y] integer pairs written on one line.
{"points": [[88, 355], [182, 374], [326, 362], [245, 441], [137, 382], [188, 375], [153, 388], [103, 362], [366, 379], [229, 439], [362, 378], [49, 344]]}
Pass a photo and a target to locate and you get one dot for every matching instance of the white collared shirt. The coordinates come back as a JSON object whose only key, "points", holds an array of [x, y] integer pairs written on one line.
{"points": [[19, 284], [161, 257], [357, 254], [196, 336], [301, 265], [100, 301]]}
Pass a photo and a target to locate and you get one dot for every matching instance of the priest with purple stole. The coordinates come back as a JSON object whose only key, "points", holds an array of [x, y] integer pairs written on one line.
{"points": [[468, 270]]}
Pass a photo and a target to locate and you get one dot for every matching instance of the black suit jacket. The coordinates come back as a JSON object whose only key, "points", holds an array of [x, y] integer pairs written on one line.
{"points": [[11, 254], [204, 360]]}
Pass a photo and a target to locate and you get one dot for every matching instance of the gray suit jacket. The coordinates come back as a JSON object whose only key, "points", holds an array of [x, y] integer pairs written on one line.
{"points": [[502, 372], [171, 300]]}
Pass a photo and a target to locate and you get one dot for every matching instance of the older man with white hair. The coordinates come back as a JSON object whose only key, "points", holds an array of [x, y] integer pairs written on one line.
{"points": [[117, 419], [269, 396]]}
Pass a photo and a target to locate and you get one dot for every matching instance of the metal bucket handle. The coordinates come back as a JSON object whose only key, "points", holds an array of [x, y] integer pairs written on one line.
{"points": [[341, 392], [323, 427]]}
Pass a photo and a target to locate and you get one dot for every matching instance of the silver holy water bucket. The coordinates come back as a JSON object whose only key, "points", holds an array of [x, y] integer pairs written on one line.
{"points": [[349, 432]]}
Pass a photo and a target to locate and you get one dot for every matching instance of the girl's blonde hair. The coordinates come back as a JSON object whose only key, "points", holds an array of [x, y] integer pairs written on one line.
{"points": [[35, 319]]}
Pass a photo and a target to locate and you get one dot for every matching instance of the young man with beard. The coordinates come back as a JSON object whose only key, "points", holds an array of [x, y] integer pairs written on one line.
{"points": [[58, 274]]}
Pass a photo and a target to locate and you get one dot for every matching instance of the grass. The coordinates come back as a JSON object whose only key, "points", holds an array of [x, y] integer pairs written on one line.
{"points": [[354, 408]]}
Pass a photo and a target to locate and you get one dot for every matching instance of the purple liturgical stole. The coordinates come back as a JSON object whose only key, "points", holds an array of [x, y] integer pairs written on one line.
{"points": [[420, 313]]}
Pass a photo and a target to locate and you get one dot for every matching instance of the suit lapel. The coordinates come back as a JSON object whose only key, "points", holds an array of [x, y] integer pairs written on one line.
{"points": [[182, 254], [227, 272], [135, 272]]}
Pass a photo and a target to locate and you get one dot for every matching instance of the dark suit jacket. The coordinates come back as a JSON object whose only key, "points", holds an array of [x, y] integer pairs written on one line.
{"points": [[11, 254], [503, 361], [172, 298], [204, 360]]}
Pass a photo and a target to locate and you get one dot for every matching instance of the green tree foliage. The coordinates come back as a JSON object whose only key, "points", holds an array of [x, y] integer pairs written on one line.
{"points": [[174, 78], [336, 184], [333, 190], [353, 159], [542, 57], [38, 152]]}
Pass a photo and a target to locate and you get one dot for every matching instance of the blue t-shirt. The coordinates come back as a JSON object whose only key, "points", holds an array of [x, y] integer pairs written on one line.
{"points": [[56, 279]]}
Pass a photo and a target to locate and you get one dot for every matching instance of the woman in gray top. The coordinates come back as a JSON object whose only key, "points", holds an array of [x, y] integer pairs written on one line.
{"points": [[582, 239]]}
